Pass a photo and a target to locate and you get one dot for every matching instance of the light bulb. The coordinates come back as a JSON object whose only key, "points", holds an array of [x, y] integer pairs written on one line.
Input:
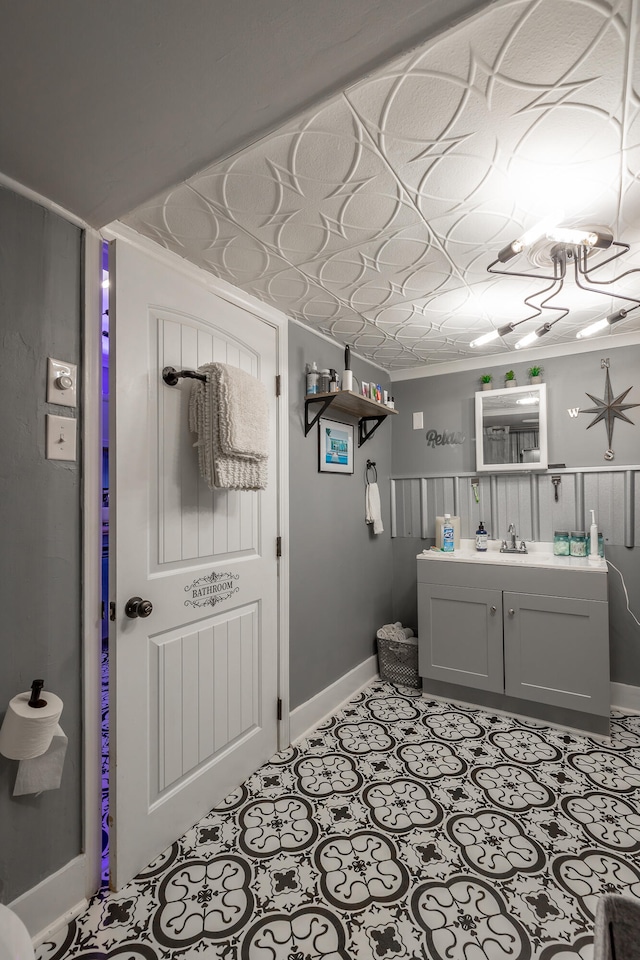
{"points": [[601, 324], [540, 229], [585, 238], [530, 337], [593, 328], [485, 338], [493, 335], [510, 251]]}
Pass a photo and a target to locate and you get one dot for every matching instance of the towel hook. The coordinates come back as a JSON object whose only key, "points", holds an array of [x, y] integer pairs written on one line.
{"points": [[371, 465], [171, 376]]}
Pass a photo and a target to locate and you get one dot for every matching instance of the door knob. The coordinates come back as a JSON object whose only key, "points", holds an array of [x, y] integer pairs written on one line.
{"points": [[493, 609], [137, 607], [511, 612]]}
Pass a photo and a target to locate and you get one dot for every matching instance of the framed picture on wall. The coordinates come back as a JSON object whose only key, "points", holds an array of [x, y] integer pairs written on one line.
{"points": [[335, 446]]}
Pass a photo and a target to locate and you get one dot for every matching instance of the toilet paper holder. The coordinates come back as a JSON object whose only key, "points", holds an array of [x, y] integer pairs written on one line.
{"points": [[36, 690]]}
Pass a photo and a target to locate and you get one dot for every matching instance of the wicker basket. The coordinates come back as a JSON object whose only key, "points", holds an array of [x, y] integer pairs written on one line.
{"points": [[398, 661]]}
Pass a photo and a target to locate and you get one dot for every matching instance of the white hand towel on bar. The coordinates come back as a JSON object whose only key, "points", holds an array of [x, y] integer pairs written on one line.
{"points": [[373, 513], [243, 414], [246, 471]]}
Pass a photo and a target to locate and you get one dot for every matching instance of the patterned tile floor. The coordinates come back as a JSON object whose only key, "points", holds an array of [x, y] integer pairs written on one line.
{"points": [[400, 828]]}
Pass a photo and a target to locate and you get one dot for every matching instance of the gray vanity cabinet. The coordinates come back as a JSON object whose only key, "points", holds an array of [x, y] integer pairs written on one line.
{"points": [[556, 651], [532, 640], [460, 636]]}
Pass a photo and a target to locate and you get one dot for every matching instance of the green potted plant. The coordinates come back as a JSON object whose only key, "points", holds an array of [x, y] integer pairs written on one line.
{"points": [[485, 380], [510, 379], [535, 374]]}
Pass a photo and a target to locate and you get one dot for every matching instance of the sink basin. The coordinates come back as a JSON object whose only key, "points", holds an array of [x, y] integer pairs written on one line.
{"points": [[539, 554]]}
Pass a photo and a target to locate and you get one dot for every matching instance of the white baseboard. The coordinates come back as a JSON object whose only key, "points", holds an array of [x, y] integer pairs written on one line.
{"points": [[310, 713], [54, 901], [625, 697]]}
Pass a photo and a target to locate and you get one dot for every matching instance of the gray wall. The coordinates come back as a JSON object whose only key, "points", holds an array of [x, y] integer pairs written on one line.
{"points": [[40, 256], [448, 404], [340, 571]]}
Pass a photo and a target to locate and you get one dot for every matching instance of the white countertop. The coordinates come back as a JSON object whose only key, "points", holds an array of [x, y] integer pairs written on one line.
{"points": [[540, 554]]}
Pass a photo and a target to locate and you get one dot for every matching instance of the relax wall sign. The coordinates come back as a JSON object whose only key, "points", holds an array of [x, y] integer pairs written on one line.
{"points": [[447, 438]]}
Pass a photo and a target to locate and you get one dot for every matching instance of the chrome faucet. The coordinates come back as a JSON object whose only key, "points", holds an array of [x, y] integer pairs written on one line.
{"points": [[512, 547]]}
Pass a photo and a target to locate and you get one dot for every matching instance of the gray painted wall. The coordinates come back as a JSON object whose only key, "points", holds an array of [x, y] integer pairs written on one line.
{"points": [[40, 256], [340, 571], [448, 403]]}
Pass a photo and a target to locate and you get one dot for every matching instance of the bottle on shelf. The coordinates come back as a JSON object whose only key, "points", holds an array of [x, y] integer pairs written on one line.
{"points": [[325, 380], [313, 377]]}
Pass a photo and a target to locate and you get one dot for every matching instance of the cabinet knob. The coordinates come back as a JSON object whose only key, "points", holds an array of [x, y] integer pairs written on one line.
{"points": [[493, 609], [511, 612]]}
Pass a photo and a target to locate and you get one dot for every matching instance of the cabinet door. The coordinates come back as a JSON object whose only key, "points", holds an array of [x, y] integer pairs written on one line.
{"points": [[460, 636], [557, 651]]}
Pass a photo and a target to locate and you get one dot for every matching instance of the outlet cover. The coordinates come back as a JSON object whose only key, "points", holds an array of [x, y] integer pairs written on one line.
{"points": [[61, 438], [418, 421]]}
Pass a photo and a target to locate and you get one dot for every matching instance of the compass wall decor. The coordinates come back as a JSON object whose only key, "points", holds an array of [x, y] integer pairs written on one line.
{"points": [[608, 409]]}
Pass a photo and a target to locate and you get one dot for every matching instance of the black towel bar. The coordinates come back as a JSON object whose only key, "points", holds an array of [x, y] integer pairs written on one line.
{"points": [[171, 376]]}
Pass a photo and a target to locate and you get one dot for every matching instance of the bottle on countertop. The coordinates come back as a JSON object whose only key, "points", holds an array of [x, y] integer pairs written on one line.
{"points": [[447, 534], [593, 538], [482, 537], [313, 377]]}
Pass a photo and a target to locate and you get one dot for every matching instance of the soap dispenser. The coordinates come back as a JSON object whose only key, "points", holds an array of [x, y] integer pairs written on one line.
{"points": [[481, 537]]}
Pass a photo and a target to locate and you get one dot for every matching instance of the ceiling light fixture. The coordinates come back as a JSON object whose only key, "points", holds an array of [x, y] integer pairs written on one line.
{"points": [[571, 246]]}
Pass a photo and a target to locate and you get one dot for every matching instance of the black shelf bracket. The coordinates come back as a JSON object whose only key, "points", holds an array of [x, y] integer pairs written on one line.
{"points": [[364, 433], [325, 401]]}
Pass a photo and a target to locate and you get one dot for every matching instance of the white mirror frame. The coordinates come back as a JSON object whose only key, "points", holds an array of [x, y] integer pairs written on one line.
{"points": [[513, 393]]}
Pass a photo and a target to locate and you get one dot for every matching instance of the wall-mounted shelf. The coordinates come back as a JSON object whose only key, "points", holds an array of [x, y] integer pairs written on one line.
{"points": [[345, 401]]}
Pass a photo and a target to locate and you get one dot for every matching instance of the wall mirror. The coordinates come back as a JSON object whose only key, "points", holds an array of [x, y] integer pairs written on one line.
{"points": [[511, 429]]}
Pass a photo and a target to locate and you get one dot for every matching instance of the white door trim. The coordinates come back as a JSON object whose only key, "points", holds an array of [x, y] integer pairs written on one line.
{"points": [[91, 414]]}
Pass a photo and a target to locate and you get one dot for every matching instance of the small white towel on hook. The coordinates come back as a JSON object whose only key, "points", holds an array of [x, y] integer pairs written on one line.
{"points": [[373, 513]]}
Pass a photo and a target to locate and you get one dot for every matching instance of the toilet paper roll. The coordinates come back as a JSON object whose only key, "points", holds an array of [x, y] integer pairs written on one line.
{"points": [[45, 772], [15, 942], [27, 731]]}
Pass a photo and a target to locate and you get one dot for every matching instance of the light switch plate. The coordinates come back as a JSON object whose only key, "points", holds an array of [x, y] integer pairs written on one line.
{"points": [[61, 438], [62, 380], [418, 421]]}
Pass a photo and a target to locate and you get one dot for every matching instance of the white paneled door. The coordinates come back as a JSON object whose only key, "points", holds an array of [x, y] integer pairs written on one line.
{"points": [[194, 683]]}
